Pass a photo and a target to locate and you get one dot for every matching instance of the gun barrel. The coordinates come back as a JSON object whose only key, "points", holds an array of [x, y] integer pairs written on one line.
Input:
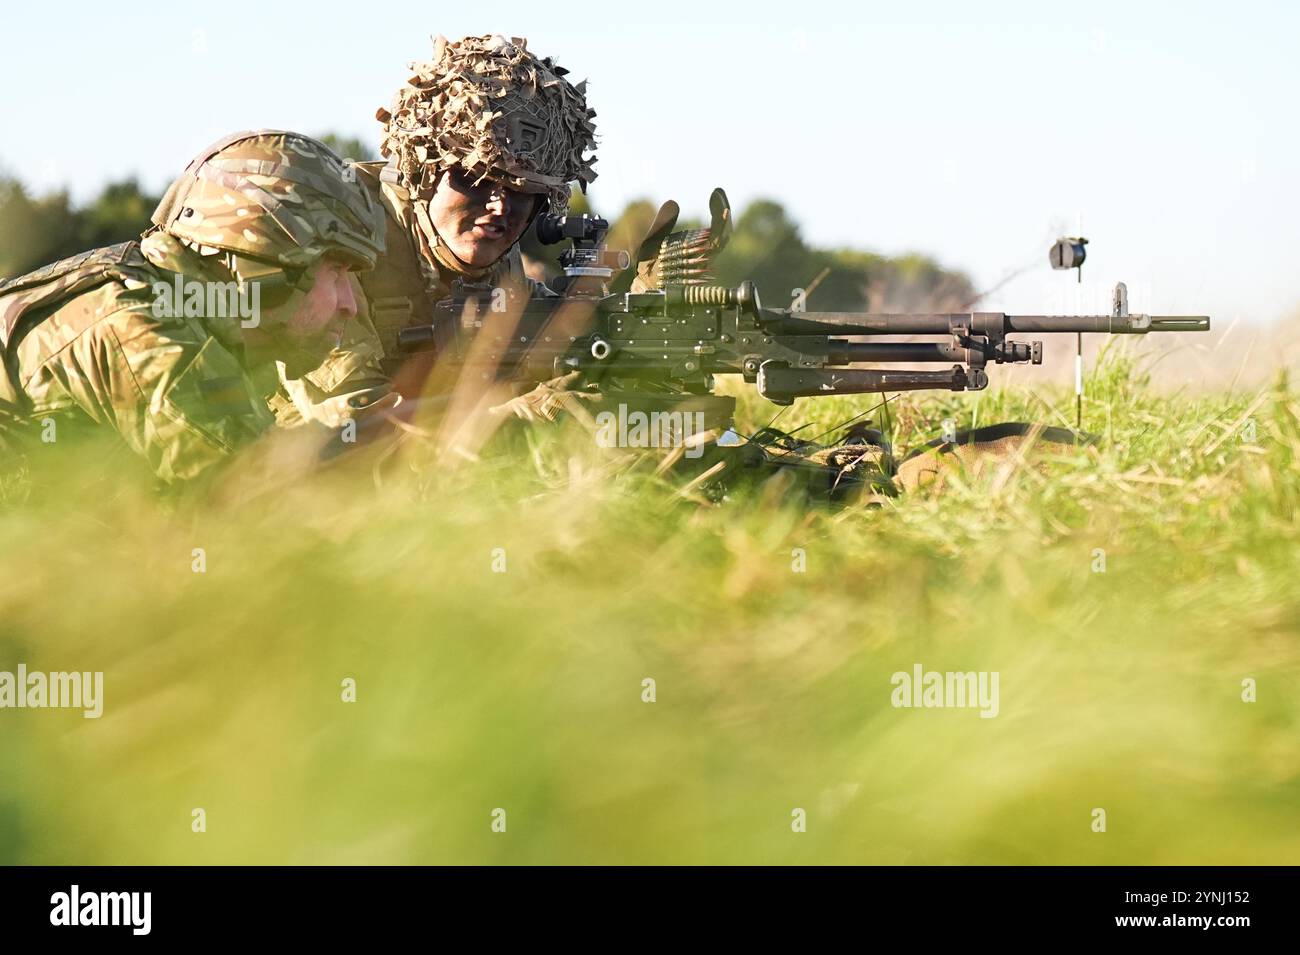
{"points": [[998, 323], [1180, 323], [1108, 324], [860, 323]]}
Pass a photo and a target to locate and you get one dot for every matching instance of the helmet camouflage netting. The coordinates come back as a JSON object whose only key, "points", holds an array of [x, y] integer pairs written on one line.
{"points": [[489, 106]]}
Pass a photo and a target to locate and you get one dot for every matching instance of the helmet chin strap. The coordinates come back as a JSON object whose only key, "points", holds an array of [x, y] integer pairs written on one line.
{"points": [[442, 253]]}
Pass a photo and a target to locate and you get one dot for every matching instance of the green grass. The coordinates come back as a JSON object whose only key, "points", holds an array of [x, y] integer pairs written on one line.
{"points": [[523, 690]]}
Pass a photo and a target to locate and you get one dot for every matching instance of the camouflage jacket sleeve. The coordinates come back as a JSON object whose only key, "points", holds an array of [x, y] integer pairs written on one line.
{"points": [[174, 393]]}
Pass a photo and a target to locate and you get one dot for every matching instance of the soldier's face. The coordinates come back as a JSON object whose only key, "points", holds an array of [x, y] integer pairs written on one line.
{"points": [[310, 324], [326, 307], [479, 222]]}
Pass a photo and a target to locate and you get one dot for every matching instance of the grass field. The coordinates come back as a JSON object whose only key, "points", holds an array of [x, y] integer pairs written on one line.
{"points": [[1120, 689]]}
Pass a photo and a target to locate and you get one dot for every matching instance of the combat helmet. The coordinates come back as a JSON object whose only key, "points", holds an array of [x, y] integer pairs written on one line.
{"points": [[487, 105], [275, 202]]}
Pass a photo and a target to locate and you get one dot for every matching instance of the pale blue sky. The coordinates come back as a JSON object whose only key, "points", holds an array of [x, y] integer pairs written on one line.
{"points": [[973, 132]]}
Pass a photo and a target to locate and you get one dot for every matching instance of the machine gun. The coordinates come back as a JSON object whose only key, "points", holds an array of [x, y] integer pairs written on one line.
{"points": [[661, 326]]}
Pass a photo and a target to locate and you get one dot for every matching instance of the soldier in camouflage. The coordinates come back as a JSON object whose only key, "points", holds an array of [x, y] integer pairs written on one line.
{"points": [[481, 139], [173, 341]]}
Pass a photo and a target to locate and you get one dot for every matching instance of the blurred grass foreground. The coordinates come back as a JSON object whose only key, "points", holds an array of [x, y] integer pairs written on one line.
{"points": [[1138, 599]]}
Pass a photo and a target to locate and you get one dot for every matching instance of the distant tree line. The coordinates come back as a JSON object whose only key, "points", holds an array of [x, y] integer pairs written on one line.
{"points": [[37, 230]]}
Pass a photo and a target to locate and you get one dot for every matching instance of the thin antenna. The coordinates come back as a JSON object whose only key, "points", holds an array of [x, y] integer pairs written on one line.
{"points": [[1078, 386], [1069, 253], [1078, 351]]}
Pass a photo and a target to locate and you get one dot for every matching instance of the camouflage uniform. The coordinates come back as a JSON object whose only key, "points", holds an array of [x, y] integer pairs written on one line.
{"points": [[490, 108], [89, 340], [171, 387]]}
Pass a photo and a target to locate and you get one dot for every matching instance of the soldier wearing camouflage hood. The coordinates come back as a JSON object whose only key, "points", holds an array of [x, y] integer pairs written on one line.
{"points": [[173, 340], [482, 139]]}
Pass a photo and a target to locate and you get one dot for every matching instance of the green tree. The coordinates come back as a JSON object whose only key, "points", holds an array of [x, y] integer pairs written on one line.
{"points": [[121, 212], [349, 147], [32, 231]]}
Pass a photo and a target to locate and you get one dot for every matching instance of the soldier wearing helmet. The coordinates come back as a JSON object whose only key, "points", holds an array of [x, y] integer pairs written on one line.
{"points": [[479, 141], [173, 340]]}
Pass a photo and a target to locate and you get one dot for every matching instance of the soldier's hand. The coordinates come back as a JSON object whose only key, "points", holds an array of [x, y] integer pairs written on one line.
{"points": [[660, 239], [546, 401]]}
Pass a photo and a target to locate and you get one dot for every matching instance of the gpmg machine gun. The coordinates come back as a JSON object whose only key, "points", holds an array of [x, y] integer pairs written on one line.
{"points": [[661, 327]]}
